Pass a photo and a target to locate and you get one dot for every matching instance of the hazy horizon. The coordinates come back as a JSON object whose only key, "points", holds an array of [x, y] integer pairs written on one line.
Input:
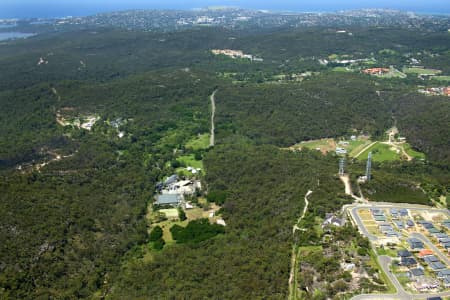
{"points": [[53, 8]]}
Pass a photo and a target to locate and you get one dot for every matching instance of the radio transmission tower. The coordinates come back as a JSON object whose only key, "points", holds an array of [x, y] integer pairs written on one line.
{"points": [[369, 166], [341, 166]]}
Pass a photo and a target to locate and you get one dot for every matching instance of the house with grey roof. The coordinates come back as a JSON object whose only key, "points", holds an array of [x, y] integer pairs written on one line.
{"points": [[416, 273], [443, 273], [415, 243], [437, 266], [171, 179]]}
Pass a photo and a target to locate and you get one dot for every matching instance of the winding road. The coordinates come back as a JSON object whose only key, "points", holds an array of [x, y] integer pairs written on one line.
{"points": [[213, 114]]}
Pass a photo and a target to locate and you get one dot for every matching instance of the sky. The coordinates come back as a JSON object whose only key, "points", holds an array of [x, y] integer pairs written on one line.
{"points": [[61, 8]]}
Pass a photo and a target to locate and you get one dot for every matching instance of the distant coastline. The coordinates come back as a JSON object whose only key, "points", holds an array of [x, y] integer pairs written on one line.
{"points": [[15, 11]]}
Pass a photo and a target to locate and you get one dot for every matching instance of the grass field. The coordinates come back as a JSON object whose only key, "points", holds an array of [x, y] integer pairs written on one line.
{"points": [[441, 78], [421, 71], [190, 161], [166, 225], [170, 213], [355, 146], [380, 152], [341, 69], [199, 142], [325, 145]]}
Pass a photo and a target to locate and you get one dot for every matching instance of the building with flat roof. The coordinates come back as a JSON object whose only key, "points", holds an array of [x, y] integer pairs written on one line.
{"points": [[169, 199]]}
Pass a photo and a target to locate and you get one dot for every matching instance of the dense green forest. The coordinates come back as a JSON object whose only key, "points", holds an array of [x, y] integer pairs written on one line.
{"points": [[328, 105], [73, 201]]}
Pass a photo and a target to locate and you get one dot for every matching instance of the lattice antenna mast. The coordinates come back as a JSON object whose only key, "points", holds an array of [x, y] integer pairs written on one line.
{"points": [[369, 166], [341, 166]]}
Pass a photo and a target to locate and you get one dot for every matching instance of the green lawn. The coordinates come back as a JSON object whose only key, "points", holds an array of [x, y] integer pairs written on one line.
{"points": [[170, 212], [199, 142], [341, 69], [355, 146], [190, 161], [422, 71], [441, 78], [380, 152], [387, 251]]}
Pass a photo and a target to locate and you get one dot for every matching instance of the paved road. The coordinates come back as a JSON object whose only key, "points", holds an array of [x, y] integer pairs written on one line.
{"points": [[213, 114]]}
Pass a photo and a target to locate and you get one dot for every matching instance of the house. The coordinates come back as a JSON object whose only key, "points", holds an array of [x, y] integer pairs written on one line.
{"points": [[171, 179], [331, 219], [444, 240], [443, 273], [341, 151], [446, 91], [400, 225], [433, 230], [425, 252], [446, 282], [426, 224], [391, 233], [436, 266], [169, 199], [440, 235], [348, 266], [415, 243], [416, 273], [408, 262], [404, 253], [377, 212], [385, 227], [376, 71], [403, 212], [430, 259], [394, 213], [380, 218], [426, 283]]}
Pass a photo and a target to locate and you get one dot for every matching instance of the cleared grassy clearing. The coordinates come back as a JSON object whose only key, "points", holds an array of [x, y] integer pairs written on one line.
{"points": [[355, 146], [190, 161], [441, 78], [421, 71], [342, 69], [170, 213], [381, 152], [199, 142], [325, 145]]}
